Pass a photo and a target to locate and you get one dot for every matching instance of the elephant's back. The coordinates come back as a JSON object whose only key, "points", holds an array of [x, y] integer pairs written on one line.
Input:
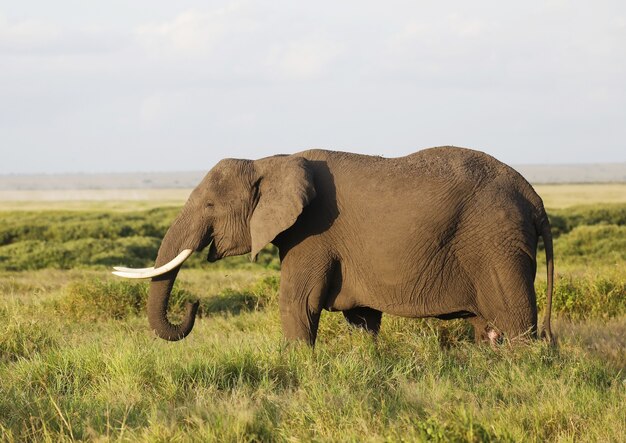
{"points": [[478, 174], [443, 162], [493, 183], [462, 172], [462, 164]]}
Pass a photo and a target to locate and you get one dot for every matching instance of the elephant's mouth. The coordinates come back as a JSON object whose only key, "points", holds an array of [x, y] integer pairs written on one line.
{"points": [[213, 255]]}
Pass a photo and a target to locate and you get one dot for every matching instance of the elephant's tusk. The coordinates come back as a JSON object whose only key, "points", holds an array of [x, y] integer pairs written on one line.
{"points": [[149, 273], [123, 269]]}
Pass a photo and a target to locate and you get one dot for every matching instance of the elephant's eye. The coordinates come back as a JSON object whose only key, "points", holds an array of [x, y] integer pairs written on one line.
{"points": [[209, 205]]}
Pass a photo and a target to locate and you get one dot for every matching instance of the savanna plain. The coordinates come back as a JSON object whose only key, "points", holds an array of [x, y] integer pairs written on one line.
{"points": [[79, 362]]}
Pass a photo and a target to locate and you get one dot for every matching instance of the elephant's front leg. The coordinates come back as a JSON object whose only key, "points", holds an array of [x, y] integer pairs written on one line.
{"points": [[365, 318], [303, 289]]}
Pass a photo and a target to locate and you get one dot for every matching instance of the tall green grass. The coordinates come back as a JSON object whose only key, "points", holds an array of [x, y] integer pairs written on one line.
{"points": [[234, 379], [23, 336]]}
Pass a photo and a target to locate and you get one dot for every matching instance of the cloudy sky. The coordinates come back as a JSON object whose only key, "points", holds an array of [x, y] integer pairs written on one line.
{"points": [[161, 85]]}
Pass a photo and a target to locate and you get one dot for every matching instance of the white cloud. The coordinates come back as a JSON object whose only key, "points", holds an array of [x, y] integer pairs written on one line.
{"points": [[26, 35], [194, 32], [35, 36], [454, 50], [443, 29], [303, 59]]}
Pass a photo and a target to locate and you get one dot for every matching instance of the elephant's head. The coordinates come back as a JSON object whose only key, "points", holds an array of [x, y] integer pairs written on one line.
{"points": [[239, 207]]}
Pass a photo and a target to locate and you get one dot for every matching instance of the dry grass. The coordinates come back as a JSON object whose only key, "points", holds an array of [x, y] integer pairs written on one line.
{"points": [[554, 196], [605, 339], [566, 195], [92, 199]]}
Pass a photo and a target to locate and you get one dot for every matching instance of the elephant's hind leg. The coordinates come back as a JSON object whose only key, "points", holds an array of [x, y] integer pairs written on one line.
{"points": [[365, 318], [506, 300]]}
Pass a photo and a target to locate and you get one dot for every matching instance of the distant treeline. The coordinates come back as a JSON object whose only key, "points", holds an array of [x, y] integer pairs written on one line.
{"points": [[70, 239]]}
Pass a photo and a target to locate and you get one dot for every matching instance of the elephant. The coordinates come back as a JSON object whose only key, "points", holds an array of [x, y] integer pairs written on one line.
{"points": [[445, 232]]}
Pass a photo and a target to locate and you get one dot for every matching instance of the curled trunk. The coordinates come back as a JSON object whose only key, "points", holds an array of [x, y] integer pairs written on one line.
{"points": [[161, 288]]}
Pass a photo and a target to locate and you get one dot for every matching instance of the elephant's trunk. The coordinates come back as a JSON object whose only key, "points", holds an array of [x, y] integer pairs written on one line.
{"points": [[161, 288]]}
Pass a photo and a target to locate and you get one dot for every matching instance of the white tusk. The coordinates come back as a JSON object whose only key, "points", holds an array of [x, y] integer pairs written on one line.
{"points": [[123, 269], [149, 273]]}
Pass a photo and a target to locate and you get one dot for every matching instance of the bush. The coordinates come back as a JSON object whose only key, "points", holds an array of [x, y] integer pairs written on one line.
{"points": [[63, 226], [563, 221], [37, 254], [66, 239], [268, 258], [93, 300], [583, 297], [597, 243]]}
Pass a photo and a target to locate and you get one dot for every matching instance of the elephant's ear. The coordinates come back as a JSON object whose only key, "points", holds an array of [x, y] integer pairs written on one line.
{"points": [[285, 188]]}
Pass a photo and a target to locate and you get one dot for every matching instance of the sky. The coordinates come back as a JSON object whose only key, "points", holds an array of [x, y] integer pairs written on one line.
{"points": [[158, 85]]}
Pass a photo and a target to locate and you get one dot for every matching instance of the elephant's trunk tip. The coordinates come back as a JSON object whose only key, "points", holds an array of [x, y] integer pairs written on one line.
{"points": [[170, 332], [192, 310]]}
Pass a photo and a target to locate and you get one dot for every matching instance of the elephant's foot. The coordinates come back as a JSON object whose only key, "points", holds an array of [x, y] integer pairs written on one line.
{"points": [[493, 336], [483, 332]]}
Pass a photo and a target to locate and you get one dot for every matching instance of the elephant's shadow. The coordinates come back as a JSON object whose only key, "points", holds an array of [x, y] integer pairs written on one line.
{"points": [[230, 301], [318, 216]]}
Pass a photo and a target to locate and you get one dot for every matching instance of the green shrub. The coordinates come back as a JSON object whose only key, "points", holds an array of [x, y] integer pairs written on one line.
{"points": [[70, 239], [596, 243], [588, 296], [63, 226], [92, 300], [37, 254], [563, 221]]}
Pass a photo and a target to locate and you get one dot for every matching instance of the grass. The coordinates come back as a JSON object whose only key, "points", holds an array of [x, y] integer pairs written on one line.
{"points": [[234, 379], [78, 361]]}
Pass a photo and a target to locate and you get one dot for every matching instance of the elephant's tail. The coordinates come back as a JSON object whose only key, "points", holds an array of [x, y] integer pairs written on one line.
{"points": [[546, 233]]}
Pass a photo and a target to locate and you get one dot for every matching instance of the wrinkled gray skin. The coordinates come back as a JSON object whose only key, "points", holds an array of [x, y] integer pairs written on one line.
{"points": [[446, 232]]}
